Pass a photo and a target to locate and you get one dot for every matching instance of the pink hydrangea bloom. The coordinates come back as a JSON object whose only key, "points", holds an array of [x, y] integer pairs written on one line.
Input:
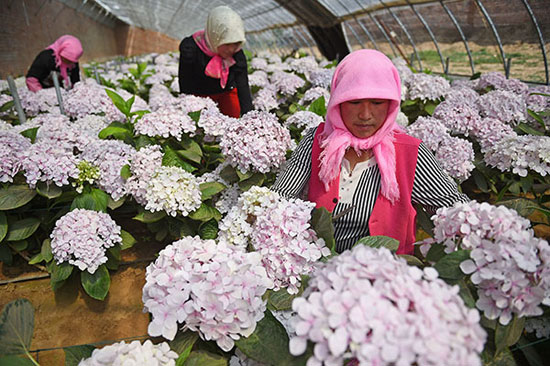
{"points": [[143, 164], [133, 353], [430, 130], [426, 87], [503, 105], [459, 117], [456, 157], [165, 122], [286, 83], [12, 149]]}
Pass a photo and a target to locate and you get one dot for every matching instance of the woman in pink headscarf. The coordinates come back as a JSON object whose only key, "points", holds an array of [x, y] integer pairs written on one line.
{"points": [[360, 164], [61, 56], [212, 63]]}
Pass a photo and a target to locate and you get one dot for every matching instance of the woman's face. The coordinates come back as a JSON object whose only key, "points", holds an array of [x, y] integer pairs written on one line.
{"points": [[227, 50], [363, 117], [67, 62]]}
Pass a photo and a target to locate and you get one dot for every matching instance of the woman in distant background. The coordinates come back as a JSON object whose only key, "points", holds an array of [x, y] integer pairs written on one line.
{"points": [[61, 56], [212, 63]]}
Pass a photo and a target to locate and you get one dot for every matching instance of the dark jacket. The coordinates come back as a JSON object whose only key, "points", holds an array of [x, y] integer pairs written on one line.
{"points": [[192, 79], [44, 64]]}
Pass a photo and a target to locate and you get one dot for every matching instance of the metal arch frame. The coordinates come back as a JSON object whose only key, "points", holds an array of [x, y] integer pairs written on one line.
{"points": [[357, 21], [306, 32], [432, 36], [406, 33], [541, 38], [459, 29], [383, 32], [497, 36], [364, 28], [299, 31], [354, 34]]}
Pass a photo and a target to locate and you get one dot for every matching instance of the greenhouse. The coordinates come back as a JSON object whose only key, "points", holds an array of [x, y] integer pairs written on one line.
{"points": [[275, 182]]}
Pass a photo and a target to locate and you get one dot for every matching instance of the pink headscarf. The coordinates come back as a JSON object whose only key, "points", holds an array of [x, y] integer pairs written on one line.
{"points": [[217, 67], [363, 74], [68, 47]]}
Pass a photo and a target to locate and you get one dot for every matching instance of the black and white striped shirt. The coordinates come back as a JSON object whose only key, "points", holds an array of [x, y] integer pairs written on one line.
{"points": [[432, 188]]}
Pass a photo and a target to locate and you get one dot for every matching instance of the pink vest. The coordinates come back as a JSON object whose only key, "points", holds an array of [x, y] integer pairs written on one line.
{"points": [[398, 220]]}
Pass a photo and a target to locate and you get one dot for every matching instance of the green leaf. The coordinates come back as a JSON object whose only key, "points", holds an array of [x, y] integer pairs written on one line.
{"points": [[19, 245], [128, 240], [182, 345], [113, 205], [3, 226], [318, 107], [116, 129], [7, 106], [209, 229], [97, 284], [412, 260], [148, 217], [229, 174], [36, 259], [203, 358], [101, 198], [129, 104], [379, 241], [268, 343], [243, 176], [256, 180], [523, 127], [30, 133], [430, 107], [16, 361], [171, 158], [209, 189], [508, 335], [435, 253], [125, 171], [60, 272], [195, 116], [46, 250], [424, 220], [503, 358], [118, 101], [205, 213], [96, 200], [113, 257], [75, 354], [16, 327], [22, 229], [480, 180], [448, 267], [321, 223], [5, 254], [523, 206], [142, 141], [15, 196], [179, 228], [48, 190], [466, 294], [280, 300], [536, 117]]}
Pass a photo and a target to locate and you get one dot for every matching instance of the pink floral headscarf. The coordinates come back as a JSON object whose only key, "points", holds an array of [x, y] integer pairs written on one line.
{"points": [[69, 47], [363, 74]]}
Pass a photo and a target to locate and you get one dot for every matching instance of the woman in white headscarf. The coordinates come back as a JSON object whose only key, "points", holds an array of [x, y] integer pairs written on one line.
{"points": [[213, 64]]}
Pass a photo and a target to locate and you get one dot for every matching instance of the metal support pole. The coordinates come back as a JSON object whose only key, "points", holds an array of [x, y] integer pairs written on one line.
{"points": [[457, 26], [495, 33], [58, 92], [541, 38], [354, 34], [507, 66], [432, 36], [365, 30], [299, 33], [16, 100], [97, 76], [390, 42]]}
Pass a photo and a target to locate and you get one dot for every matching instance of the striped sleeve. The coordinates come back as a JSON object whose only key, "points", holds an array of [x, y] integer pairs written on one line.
{"points": [[293, 178], [432, 187]]}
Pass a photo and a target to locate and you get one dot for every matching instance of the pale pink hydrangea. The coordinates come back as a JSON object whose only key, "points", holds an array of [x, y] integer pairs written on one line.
{"points": [[213, 122], [50, 162], [320, 77], [81, 237], [430, 130], [5, 126], [462, 94], [160, 96], [42, 101], [258, 78], [368, 306], [162, 73], [540, 326], [402, 119], [427, 87], [5, 98], [175, 85], [255, 142], [143, 165], [520, 154], [58, 128], [266, 99], [173, 190], [213, 288], [165, 122], [192, 103], [12, 149], [456, 157], [507, 263], [258, 63], [503, 105], [109, 156], [516, 86], [134, 353], [315, 93], [269, 56], [539, 103], [279, 231], [490, 131], [495, 80], [91, 124], [304, 119], [277, 67], [458, 116], [402, 68], [286, 83], [302, 65]]}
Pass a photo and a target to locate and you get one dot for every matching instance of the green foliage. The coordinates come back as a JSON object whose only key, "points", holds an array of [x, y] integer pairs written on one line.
{"points": [[448, 266], [97, 284], [30, 133], [379, 242], [16, 330], [321, 223], [318, 107], [15, 196], [22, 229], [75, 354], [183, 344]]}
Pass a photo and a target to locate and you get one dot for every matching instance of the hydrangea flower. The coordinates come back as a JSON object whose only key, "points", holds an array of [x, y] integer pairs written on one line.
{"points": [[211, 288], [427, 87], [57, 128], [456, 157], [321, 77], [258, 78], [81, 238], [258, 63], [173, 190], [143, 165], [540, 326], [516, 86], [503, 105], [165, 122], [279, 230], [402, 119], [304, 119], [4, 98], [12, 148], [160, 96], [507, 263], [286, 83], [134, 353], [459, 117], [266, 99], [303, 65], [315, 93], [402, 68], [213, 122], [490, 131], [461, 95], [191, 103], [539, 103], [90, 125], [368, 306], [87, 173], [520, 154], [430, 130], [256, 142], [494, 80], [42, 101]]}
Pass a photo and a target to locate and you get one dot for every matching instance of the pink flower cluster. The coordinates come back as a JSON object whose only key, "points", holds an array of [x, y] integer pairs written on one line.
{"points": [[255, 142], [213, 122], [286, 83], [49, 161], [321, 77], [507, 263], [503, 105], [279, 230], [304, 119], [81, 238], [143, 165], [43, 101], [430, 130], [160, 96], [258, 78], [458, 116], [212, 288], [12, 148], [266, 99], [456, 157], [165, 122], [368, 305], [134, 353], [426, 87], [314, 93]]}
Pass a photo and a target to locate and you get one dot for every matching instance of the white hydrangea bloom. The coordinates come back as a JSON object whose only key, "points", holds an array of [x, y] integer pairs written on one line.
{"points": [[304, 119], [427, 87], [286, 83], [456, 157], [143, 165], [133, 353], [520, 154], [165, 122]]}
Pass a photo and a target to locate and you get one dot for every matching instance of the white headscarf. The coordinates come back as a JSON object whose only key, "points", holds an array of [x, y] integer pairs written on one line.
{"points": [[223, 26]]}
